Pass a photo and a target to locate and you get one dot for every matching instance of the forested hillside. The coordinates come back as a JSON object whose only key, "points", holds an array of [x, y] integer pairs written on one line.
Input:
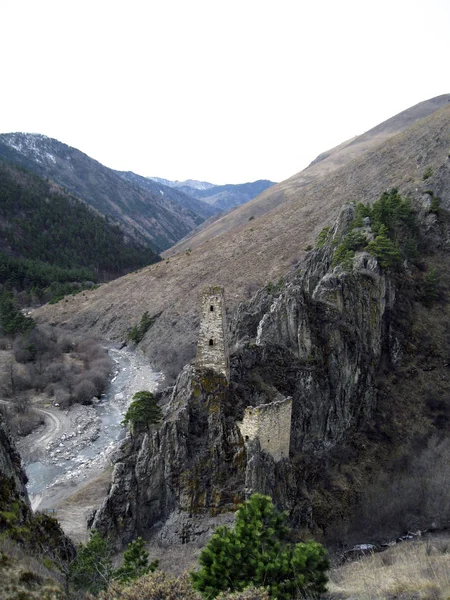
{"points": [[50, 240], [150, 216]]}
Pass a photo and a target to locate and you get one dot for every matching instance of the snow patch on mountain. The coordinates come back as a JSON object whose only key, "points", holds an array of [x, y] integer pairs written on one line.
{"points": [[192, 183], [33, 145]]}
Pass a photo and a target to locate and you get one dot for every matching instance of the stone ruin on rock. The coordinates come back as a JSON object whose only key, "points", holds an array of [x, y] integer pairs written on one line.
{"points": [[271, 425], [212, 349]]}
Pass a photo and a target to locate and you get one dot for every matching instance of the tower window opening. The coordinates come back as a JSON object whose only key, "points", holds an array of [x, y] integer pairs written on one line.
{"points": [[211, 342], [211, 308]]}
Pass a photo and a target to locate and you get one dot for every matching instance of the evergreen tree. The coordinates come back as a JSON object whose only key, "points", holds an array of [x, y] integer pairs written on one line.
{"points": [[12, 321], [135, 562], [92, 570], [386, 251], [431, 290], [144, 411], [257, 552]]}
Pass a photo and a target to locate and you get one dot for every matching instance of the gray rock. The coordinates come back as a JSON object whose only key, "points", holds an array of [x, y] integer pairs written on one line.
{"points": [[318, 340]]}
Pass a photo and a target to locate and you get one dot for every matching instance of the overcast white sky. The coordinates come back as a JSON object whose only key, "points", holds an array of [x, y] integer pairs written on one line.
{"points": [[222, 91]]}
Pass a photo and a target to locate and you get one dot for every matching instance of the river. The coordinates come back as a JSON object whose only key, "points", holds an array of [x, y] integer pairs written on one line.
{"points": [[76, 445]]}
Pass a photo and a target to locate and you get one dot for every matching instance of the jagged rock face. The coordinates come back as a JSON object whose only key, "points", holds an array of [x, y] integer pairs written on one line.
{"points": [[346, 347], [319, 341], [331, 326], [175, 479], [11, 466]]}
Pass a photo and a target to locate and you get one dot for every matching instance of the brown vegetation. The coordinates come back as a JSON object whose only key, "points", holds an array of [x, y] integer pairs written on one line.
{"points": [[413, 571], [159, 586], [49, 365], [257, 251], [23, 577]]}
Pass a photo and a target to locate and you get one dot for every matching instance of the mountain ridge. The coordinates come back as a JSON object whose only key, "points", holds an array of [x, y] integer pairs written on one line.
{"points": [[321, 167], [255, 252], [222, 197], [144, 214], [51, 241]]}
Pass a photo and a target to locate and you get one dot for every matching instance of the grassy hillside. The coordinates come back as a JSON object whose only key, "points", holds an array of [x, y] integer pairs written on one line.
{"points": [[256, 252], [319, 172]]}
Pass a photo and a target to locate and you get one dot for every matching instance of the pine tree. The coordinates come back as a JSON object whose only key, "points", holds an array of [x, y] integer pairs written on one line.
{"points": [[257, 552], [431, 290], [386, 251], [12, 321], [144, 410], [92, 569], [135, 562]]}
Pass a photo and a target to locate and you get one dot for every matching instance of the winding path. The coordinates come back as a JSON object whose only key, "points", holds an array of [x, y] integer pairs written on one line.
{"points": [[54, 425], [36, 443], [54, 421]]}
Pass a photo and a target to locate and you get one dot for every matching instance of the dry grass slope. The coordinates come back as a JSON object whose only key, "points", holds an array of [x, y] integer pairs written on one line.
{"points": [[252, 253], [325, 164], [411, 571]]}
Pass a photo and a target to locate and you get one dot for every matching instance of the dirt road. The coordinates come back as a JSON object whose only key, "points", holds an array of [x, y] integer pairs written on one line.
{"points": [[66, 459]]}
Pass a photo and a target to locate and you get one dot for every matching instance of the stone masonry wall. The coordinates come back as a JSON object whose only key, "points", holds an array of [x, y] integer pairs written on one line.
{"points": [[212, 349], [271, 425]]}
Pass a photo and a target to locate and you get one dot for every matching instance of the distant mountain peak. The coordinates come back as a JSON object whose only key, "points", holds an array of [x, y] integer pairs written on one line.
{"points": [[33, 145], [222, 197], [189, 183]]}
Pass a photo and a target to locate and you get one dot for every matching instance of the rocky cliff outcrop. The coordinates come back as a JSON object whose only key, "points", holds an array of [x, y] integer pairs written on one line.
{"points": [[12, 477], [341, 345], [177, 480], [36, 533], [318, 341], [332, 325]]}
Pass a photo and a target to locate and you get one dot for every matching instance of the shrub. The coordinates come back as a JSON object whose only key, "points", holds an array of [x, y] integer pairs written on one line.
{"points": [[84, 391], [322, 237], [62, 397], [256, 552], [275, 288], [66, 345], [137, 332], [427, 173], [154, 586]]}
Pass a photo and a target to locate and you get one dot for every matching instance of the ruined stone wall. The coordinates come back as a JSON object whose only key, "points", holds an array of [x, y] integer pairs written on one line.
{"points": [[212, 349], [271, 425]]}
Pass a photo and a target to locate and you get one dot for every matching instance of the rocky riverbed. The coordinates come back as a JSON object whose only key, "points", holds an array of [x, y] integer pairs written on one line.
{"points": [[75, 446]]}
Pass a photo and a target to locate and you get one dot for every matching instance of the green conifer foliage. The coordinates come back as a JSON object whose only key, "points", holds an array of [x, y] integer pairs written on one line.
{"points": [[431, 291], [386, 251], [257, 552], [144, 411], [135, 562], [92, 569], [12, 321]]}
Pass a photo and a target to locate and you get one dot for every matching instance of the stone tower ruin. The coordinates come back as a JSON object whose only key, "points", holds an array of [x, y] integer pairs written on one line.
{"points": [[271, 425], [212, 349]]}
